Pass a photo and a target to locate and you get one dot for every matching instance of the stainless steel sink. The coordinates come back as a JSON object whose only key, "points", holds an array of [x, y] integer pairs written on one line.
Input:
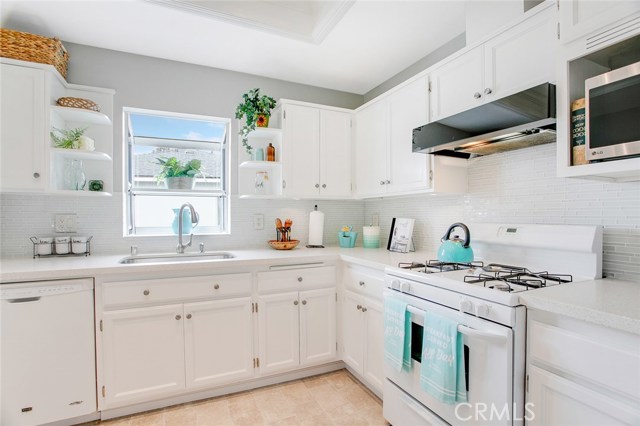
{"points": [[176, 258]]}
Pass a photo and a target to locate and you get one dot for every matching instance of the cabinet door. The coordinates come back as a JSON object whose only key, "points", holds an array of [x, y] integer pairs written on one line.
{"points": [[581, 17], [408, 110], [279, 332], [521, 57], [554, 400], [22, 143], [317, 326], [301, 134], [372, 144], [218, 342], [335, 154], [143, 354], [457, 85], [374, 345], [353, 332]]}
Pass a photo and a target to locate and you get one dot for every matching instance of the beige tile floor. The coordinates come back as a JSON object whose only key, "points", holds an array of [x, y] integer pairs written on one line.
{"points": [[335, 398]]}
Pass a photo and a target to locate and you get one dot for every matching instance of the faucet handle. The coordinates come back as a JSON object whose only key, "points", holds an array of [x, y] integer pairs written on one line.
{"points": [[201, 247]]}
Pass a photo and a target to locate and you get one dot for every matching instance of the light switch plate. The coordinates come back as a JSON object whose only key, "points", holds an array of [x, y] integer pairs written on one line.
{"points": [[258, 221], [65, 222]]}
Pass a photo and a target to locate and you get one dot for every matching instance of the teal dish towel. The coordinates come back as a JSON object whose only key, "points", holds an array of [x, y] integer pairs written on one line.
{"points": [[442, 371], [397, 334]]}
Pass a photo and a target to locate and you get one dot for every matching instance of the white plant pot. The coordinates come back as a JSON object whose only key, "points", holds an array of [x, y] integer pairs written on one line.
{"points": [[180, 182]]}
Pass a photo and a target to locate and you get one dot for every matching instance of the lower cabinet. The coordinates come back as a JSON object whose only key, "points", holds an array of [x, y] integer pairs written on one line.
{"points": [[296, 329], [153, 347], [363, 338], [580, 373]]}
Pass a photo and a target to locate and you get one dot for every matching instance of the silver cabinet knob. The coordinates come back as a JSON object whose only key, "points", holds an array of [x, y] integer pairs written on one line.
{"points": [[488, 91], [364, 309], [299, 279], [387, 182], [304, 302], [36, 175], [146, 292], [359, 307], [295, 302], [216, 286], [477, 95], [188, 316], [178, 317], [324, 185], [317, 185], [361, 283], [381, 182]]}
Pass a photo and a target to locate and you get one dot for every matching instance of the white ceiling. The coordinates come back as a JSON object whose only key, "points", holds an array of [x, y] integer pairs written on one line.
{"points": [[349, 45]]}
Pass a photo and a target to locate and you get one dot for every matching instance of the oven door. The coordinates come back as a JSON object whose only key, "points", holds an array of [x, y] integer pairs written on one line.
{"points": [[488, 364]]}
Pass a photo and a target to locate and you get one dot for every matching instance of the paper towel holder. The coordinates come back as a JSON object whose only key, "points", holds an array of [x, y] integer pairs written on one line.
{"points": [[314, 245]]}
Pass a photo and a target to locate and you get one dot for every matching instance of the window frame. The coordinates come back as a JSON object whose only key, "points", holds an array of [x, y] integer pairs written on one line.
{"points": [[129, 192]]}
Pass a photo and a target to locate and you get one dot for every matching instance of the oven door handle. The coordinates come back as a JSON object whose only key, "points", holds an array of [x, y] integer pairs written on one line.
{"points": [[472, 332]]}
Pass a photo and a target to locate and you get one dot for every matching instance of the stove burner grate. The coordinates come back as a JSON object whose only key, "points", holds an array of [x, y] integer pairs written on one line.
{"points": [[506, 276], [431, 266]]}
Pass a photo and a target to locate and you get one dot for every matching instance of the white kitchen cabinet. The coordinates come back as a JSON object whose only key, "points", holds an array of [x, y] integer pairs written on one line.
{"points": [[29, 114], [580, 373], [317, 151], [22, 147], [214, 325], [385, 162], [580, 18], [523, 56], [362, 324], [162, 337], [296, 318], [143, 352]]}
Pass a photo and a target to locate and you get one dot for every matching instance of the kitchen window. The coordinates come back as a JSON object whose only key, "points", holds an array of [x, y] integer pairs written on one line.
{"points": [[155, 136]]}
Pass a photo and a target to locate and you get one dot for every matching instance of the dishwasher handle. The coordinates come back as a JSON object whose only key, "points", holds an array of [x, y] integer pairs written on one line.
{"points": [[24, 300]]}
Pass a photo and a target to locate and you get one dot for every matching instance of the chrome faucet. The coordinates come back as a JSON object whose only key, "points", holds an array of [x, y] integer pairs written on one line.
{"points": [[194, 220]]}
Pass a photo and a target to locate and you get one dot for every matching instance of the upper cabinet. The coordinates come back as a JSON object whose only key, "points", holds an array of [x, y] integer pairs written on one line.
{"points": [[316, 150], [523, 56], [30, 162], [579, 18], [385, 162]]}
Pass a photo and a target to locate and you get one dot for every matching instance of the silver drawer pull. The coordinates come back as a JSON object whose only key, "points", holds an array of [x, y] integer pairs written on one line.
{"points": [[364, 309], [304, 302], [295, 302], [299, 279], [178, 317], [361, 283], [146, 292], [359, 307], [216, 286], [188, 316]]}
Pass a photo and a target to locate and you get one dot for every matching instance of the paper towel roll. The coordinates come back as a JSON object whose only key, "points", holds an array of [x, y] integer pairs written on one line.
{"points": [[316, 227]]}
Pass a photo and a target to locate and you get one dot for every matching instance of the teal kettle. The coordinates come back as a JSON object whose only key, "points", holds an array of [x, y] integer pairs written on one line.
{"points": [[453, 249]]}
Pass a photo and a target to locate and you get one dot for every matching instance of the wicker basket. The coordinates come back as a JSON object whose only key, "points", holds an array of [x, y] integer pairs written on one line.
{"points": [[78, 103], [34, 48]]}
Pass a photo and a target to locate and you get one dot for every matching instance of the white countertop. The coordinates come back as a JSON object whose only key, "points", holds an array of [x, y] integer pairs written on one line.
{"points": [[607, 302]]}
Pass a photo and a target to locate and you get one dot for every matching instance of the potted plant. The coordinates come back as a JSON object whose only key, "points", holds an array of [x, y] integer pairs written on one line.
{"points": [[257, 110], [178, 175]]}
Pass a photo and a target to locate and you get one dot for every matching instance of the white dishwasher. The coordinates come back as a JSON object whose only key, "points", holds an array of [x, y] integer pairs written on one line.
{"points": [[47, 350]]}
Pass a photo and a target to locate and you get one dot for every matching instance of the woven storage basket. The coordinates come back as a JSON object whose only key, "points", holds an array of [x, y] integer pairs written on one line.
{"points": [[34, 48], [78, 103]]}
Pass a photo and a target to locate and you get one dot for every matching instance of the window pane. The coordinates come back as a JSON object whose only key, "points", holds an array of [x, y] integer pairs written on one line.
{"points": [[154, 214]]}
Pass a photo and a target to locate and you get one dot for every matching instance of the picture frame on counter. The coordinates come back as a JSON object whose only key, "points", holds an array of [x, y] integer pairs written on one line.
{"points": [[401, 235]]}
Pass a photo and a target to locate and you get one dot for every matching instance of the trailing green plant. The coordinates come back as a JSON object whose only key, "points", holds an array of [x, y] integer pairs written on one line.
{"points": [[68, 139], [172, 167], [252, 107]]}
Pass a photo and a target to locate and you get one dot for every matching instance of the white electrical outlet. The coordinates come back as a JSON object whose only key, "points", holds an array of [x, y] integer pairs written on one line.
{"points": [[65, 222], [258, 221]]}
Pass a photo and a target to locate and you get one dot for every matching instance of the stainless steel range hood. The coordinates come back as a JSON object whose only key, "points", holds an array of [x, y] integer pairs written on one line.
{"points": [[521, 120]]}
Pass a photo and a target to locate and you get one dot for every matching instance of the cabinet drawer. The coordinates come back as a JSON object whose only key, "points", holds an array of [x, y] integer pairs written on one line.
{"points": [[597, 361], [302, 278], [367, 281], [142, 292]]}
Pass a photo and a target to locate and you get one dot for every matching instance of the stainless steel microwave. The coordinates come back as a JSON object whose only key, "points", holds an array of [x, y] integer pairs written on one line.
{"points": [[613, 114]]}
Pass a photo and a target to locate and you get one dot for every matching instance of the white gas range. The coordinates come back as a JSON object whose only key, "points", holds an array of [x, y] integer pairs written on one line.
{"points": [[482, 297]]}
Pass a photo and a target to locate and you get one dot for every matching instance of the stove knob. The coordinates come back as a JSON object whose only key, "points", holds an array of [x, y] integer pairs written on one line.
{"points": [[395, 285], [466, 305], [405, 287], [482, 310]]}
